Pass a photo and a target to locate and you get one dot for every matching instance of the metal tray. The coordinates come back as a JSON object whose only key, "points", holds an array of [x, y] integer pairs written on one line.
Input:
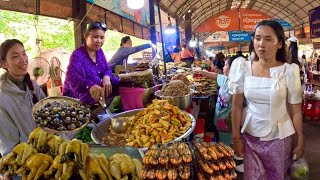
{"points": [[96, 135], [110, 150]]}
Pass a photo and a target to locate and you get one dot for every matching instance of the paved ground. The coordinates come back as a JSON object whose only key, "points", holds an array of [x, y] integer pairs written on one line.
{"points": [[312, 149]]}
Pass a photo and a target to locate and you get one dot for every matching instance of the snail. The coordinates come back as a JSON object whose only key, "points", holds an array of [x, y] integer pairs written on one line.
{"points": [[62, 116]]}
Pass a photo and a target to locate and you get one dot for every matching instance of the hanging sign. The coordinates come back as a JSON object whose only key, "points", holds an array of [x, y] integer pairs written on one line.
{"points": [[314, 20], [284, 23], [239, 36], [219, 36], [249, 19], [225, 21]]}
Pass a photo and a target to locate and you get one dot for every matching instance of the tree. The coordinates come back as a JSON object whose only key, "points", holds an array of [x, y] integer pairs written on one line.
{"points": [[51, 32]]}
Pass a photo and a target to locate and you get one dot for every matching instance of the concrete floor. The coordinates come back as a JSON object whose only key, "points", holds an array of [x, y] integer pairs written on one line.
{"points": [[312, 149]]}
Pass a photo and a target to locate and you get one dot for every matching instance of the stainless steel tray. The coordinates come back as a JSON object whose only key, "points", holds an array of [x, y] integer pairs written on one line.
{"points": [[96, 135], [110, 150]]}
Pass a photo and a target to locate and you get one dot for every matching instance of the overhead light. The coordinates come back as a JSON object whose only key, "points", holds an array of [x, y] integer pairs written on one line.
{"points": [[189, 11], [192, 43], [135, 4], [200, 43], [170, 29]]}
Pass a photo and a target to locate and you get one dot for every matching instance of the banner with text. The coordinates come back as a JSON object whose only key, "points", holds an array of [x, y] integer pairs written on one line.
{"points": [[314, 20], [225, 21], [249, 19], [284, 23], [229, 21], [219, 36], [239, 36]]}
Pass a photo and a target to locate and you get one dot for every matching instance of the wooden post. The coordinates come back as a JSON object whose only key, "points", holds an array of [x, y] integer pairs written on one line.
{"points": [[78, 12]]}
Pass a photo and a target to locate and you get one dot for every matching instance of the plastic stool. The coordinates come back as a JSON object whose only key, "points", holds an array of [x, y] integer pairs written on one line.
{"points": [[311, 108]]}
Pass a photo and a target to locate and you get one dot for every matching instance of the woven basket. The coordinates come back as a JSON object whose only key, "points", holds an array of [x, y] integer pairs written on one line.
{"points": [[67, 135]]}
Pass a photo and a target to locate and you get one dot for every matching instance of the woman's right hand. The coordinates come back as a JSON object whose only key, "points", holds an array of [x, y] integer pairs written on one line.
{"points": [[97, 92], [202, 72], [238, 147]]}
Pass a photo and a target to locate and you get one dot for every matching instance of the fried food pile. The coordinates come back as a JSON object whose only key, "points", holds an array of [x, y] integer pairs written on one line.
{"points": [[214, 161], [173, 162], [160, 122], [205, 86], [181, 77], [175, 88], [48, 156]]}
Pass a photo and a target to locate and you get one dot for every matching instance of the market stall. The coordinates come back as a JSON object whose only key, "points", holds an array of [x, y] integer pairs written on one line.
{"points": [[68, 144]]}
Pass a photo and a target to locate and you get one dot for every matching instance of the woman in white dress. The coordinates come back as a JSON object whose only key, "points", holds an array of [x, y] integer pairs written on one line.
{"points": [[272, 91]]}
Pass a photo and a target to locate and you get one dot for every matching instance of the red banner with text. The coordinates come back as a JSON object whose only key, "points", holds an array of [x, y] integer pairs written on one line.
{"points": [[250, 17], [226, 21], [229, 21]]}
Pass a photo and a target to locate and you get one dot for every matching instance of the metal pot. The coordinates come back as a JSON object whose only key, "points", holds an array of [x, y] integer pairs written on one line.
{"points": [[183, 102], [96, 135]]}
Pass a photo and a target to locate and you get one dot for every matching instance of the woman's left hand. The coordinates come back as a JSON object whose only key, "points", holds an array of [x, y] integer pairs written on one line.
{"points": [[106, 83], [299, 149]]}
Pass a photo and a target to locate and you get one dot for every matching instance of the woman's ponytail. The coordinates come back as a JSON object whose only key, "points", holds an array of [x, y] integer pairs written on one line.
{"points": [[29, 83]]}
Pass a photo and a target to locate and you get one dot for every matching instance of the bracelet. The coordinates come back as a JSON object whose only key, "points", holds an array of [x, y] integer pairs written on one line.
{"points": [[299, 147]]}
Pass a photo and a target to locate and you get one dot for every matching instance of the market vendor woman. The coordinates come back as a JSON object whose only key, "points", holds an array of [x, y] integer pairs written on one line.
{"points": [[89, 77], [18, 94]]}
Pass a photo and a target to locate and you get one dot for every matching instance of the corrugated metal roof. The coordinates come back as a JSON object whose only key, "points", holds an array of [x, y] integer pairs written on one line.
{"points": [[294, 12]]}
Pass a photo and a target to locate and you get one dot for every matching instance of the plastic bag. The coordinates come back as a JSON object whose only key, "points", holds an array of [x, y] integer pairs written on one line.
{"points": [[299, 169]]}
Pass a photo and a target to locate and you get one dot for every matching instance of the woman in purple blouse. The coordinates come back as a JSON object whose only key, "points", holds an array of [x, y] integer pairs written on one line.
{"points": [[89, 77]]}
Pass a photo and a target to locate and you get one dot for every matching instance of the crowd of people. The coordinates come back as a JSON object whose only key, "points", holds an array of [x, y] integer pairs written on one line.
{"points": [[259, 99]]}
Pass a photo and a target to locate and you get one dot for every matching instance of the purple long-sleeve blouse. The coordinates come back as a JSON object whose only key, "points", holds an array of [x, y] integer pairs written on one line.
{"points": [[83, 73]]}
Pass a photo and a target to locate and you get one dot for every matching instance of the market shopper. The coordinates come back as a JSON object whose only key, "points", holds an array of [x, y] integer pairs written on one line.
{"points": [[187, 56], [18, 95], [89, 77], [224, 100], [272, 91], [126, 49], [219, 62], [222, 114], [292, 44]]}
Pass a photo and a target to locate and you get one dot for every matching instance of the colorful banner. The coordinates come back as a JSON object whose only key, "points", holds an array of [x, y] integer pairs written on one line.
{"points": [[229, 21], [120, 7], [225, 21], [314, 20], [219, 36], [239, 36], [249, 19]]}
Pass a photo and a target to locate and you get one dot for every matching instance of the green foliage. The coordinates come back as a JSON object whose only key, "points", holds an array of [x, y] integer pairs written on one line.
{"points": [[27, 28], [53, 33]]}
